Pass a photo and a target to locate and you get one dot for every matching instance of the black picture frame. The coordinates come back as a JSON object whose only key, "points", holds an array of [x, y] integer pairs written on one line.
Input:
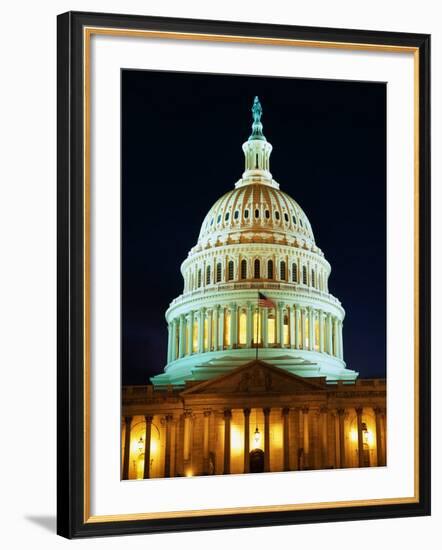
{"points": [[72, 516]]}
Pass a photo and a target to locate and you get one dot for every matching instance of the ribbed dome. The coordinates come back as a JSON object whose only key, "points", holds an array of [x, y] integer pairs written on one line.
{"points": [[259, 208]]}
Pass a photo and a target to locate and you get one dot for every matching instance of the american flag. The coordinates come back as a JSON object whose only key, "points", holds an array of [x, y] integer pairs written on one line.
{"points": [[263, 301]]}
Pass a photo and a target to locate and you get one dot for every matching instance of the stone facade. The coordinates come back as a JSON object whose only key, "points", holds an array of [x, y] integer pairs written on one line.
{"points": [[255, 418]]}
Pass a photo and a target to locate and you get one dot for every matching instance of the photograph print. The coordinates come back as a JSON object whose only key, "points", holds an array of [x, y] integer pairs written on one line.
{"points": [[253, 274]]}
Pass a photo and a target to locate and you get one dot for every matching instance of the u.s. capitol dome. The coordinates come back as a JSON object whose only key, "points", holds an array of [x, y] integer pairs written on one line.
{"points": [[255, 240]]}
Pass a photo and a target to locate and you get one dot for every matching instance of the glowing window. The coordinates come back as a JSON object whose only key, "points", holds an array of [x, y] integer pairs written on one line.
{"points": [[195, 336], [285, 329], [270, 269], [230, 270], [257, 269], [227, 328], [243, 269], [206, 334], [218, 273], [257, 328], [271, 329], [242, 328]]}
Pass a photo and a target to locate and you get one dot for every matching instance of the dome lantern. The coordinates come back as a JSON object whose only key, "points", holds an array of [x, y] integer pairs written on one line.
{"points": [[257, 152]]}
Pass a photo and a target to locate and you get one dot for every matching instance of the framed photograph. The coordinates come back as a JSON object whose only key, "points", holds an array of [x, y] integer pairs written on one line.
{"points": [[243, 274]]}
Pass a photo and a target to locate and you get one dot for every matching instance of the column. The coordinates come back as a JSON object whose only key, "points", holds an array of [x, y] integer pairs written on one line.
{"points": [[286, 440], [209, 330], [169, 343], [246, 440], [297, 328], [174, 330], [311, 329], [360, 438], [173, 446], [306, 441], [206, 441], [227, 421], [335, 339], [292, 326], [221, 328], [201, 317], [321, 331], [126, 457], [187, 428], [379, 445], [265, 327], [297, 445], [302, 328], [190, 333], [233, 324], [266, 412], [329, 335], [341, 416], [323, 437], [182, 335], [216, 328], [249, 325], [168, 420], [147, 438], [340, 340], [280, 322]]}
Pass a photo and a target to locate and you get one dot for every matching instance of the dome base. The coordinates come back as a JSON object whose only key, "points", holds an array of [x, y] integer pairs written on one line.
{"points": [[205, 366]]}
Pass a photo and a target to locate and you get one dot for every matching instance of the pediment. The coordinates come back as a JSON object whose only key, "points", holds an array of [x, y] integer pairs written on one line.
{"points": [[256, 377]]}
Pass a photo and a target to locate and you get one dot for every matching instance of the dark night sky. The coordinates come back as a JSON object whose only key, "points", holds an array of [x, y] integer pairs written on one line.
{"points": [[181, 150]]}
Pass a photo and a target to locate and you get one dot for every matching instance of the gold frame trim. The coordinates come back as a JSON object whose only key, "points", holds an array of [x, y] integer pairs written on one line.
{"points": [[88, 32]]}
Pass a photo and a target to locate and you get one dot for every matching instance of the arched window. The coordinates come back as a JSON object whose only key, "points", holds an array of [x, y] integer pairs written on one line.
{"points": [[243, 269], [236, 215], [313, 277], [227, 216], [294, 273], [257, 213], [286, 217], [304, 275], [267, 214], [277, 214], [208, 275], [294, 219], [199, 278], [246, 214], [218, 272], [270, 269], [257, 269], [230, 270], [283, 271]]}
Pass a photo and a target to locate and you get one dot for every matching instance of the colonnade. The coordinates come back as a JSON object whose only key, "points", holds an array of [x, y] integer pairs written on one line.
{"points": [[312, 438], [245, 326]]}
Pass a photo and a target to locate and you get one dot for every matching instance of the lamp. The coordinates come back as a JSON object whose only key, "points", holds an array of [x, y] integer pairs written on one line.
{"points": [[257, 437], [140, 445]]}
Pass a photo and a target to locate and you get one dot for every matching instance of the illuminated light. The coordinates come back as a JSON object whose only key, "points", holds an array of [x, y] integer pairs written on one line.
{"points": [[236, 441], [242, 327], [256, 438], [153, 446], [354, 435], [189, 473], [140, 445]]}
